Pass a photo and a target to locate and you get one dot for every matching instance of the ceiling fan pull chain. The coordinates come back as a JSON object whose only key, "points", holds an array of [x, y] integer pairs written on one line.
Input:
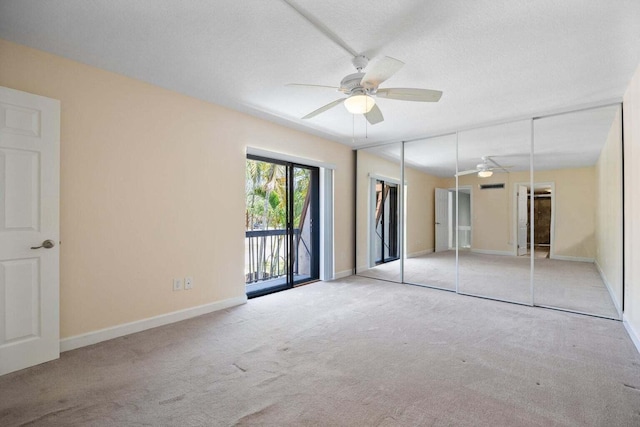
{"points": [[353, 128], [366, 129]]}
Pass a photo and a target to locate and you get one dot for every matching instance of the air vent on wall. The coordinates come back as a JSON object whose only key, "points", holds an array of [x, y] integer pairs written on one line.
{"points": [[491, 186]]}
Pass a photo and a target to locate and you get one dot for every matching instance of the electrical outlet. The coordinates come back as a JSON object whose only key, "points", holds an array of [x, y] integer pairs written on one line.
{"points": [[177, 284], [188, 282]]}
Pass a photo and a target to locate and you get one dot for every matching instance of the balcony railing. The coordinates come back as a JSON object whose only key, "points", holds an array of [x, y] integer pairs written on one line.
{"points": [[266, 254]]}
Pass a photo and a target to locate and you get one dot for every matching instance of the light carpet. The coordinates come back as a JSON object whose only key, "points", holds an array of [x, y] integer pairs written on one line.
{"points": [[355, 352]]}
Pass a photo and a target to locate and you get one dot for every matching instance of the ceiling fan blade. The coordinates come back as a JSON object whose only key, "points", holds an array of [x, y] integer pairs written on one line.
{"points": [[314, 86], [467, 172], [496, 164], [500, 169], [324, 108], [374, 116], [381, 71], [409, 94]]}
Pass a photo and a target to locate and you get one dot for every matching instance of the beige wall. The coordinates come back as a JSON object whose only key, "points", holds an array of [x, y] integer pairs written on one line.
{"points": [[493, 228], [152, 188], [609, 211], [631, 121]]}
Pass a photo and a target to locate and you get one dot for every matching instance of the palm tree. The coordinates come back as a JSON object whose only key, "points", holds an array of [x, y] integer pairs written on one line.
{"points": [[265, 209]]}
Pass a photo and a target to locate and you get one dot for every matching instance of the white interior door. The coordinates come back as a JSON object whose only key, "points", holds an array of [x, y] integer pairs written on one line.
{"points": [[522, 220], [442, 219], [29, 216]]}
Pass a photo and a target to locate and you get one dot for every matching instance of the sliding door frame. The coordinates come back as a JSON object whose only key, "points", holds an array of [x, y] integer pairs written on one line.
{"points": [[290, 245]]}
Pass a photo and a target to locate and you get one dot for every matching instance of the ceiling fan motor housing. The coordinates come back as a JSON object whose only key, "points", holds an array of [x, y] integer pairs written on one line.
{"points": [[351, 84], [360, 62]]}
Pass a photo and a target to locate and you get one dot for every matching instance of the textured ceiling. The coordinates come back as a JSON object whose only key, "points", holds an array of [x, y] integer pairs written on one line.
{"points": [[493, 60]]}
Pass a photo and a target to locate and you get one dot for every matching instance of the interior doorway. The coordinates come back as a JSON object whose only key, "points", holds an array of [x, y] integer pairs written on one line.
{"points": [[282, 244], [29, 230]]}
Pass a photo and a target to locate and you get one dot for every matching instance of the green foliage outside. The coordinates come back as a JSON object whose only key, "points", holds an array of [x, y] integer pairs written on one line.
{"points": [[266, 196]]}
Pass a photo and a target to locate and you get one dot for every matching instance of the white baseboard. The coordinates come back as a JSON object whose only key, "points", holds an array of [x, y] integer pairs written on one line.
{"points": [[112, 332], [343, 274], [633, 334], [420, 253], [609, 288], [571, 258], [490, 252]]}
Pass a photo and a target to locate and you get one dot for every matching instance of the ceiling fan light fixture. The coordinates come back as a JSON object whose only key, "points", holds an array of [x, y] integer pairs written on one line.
{"points": [[485, 173], [359, 104]]}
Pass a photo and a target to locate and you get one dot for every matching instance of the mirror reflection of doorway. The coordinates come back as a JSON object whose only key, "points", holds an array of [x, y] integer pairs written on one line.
{"points": [[464, 217], [443, 219], [543, 220], [445, 227], [385, 240]]}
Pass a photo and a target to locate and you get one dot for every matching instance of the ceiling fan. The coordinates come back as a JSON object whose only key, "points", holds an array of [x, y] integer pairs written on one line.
{"points": [[362, 89], [486, 168]]}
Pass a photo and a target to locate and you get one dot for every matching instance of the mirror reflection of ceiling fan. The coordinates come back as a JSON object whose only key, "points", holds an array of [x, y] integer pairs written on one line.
{"points": [[486, 168], [362, 88]]}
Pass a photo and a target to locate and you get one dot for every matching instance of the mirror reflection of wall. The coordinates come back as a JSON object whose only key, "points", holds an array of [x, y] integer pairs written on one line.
{"points": [[430, 212], [493, 171], [378, 222], [578, 171]]}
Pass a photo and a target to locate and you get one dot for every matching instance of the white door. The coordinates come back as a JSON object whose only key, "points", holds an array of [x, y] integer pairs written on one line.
{"points": [[29, 210], [442, 220], [522, 220]]}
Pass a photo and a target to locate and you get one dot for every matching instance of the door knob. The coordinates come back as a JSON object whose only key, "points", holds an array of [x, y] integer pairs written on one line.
{"points": [[47, 244]]}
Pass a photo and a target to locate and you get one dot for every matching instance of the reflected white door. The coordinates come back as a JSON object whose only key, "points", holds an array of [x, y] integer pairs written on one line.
{"points": [[442, 219], [29, 211], [522, 220]]}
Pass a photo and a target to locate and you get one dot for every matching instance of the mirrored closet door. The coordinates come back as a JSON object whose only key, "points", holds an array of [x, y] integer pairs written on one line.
{"points": [[493, 174], [429, 172], [528, 212], [577, 199], [378, 212]]}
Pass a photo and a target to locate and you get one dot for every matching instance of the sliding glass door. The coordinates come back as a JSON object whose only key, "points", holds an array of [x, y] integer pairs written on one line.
{"points": [[281, 232], [304, 233]]}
